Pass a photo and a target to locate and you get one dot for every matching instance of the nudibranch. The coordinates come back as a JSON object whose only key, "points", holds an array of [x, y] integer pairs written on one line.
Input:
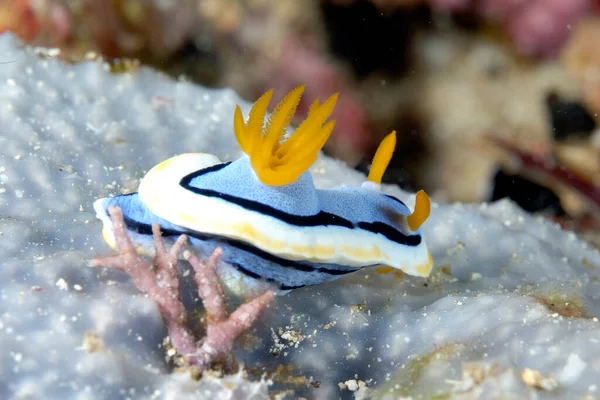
{"points": [[277, 231]]}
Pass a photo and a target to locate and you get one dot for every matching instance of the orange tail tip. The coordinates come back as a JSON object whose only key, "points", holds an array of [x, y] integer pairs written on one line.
{"points": [[421, 211], [278, 159]]}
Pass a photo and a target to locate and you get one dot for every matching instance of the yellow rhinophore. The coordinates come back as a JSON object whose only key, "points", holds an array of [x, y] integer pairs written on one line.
{"points": [[382, 158]]}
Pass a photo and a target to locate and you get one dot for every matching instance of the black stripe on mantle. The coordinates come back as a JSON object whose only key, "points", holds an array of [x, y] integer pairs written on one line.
{"points": [[146, 229], [322, 218]]}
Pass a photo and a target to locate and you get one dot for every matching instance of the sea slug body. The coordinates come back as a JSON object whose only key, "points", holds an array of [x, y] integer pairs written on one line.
{"points": [[276, 230]]}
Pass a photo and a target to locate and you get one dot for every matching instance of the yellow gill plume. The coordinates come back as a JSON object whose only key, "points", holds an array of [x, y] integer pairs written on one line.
{"points": [[275, 159]]}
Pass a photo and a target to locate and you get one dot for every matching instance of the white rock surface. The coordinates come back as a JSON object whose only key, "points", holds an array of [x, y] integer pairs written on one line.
{"points": [[510, 310]]}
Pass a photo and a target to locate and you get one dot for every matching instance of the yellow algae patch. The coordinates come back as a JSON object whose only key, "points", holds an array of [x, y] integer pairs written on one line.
{"points": [[560, 300], [407, 379], [384, 270]]}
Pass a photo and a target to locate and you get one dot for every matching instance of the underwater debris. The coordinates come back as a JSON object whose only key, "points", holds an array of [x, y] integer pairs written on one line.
{"points": [[546, 171], [575, 184], [570, 119]]}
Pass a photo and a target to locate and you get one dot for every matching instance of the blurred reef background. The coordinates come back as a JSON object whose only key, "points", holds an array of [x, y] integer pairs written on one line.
{"points": [[491, 98]]}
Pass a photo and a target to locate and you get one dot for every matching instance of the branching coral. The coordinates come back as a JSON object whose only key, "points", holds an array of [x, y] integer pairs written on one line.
{"points": [[160, 282]]}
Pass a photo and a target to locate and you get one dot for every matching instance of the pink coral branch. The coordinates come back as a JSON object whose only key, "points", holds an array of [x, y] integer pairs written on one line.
{"points": [[161, 282], [158, 280], [208, 286], [222, 330]]}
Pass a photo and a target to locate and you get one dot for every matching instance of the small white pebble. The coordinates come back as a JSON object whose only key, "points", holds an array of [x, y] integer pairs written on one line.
{"points": [[53, 52], [62, 284], [572, 370], [352, 385]]}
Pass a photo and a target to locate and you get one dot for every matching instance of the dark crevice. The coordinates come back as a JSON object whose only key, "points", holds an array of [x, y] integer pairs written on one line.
{"points": [[528, 195]]}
